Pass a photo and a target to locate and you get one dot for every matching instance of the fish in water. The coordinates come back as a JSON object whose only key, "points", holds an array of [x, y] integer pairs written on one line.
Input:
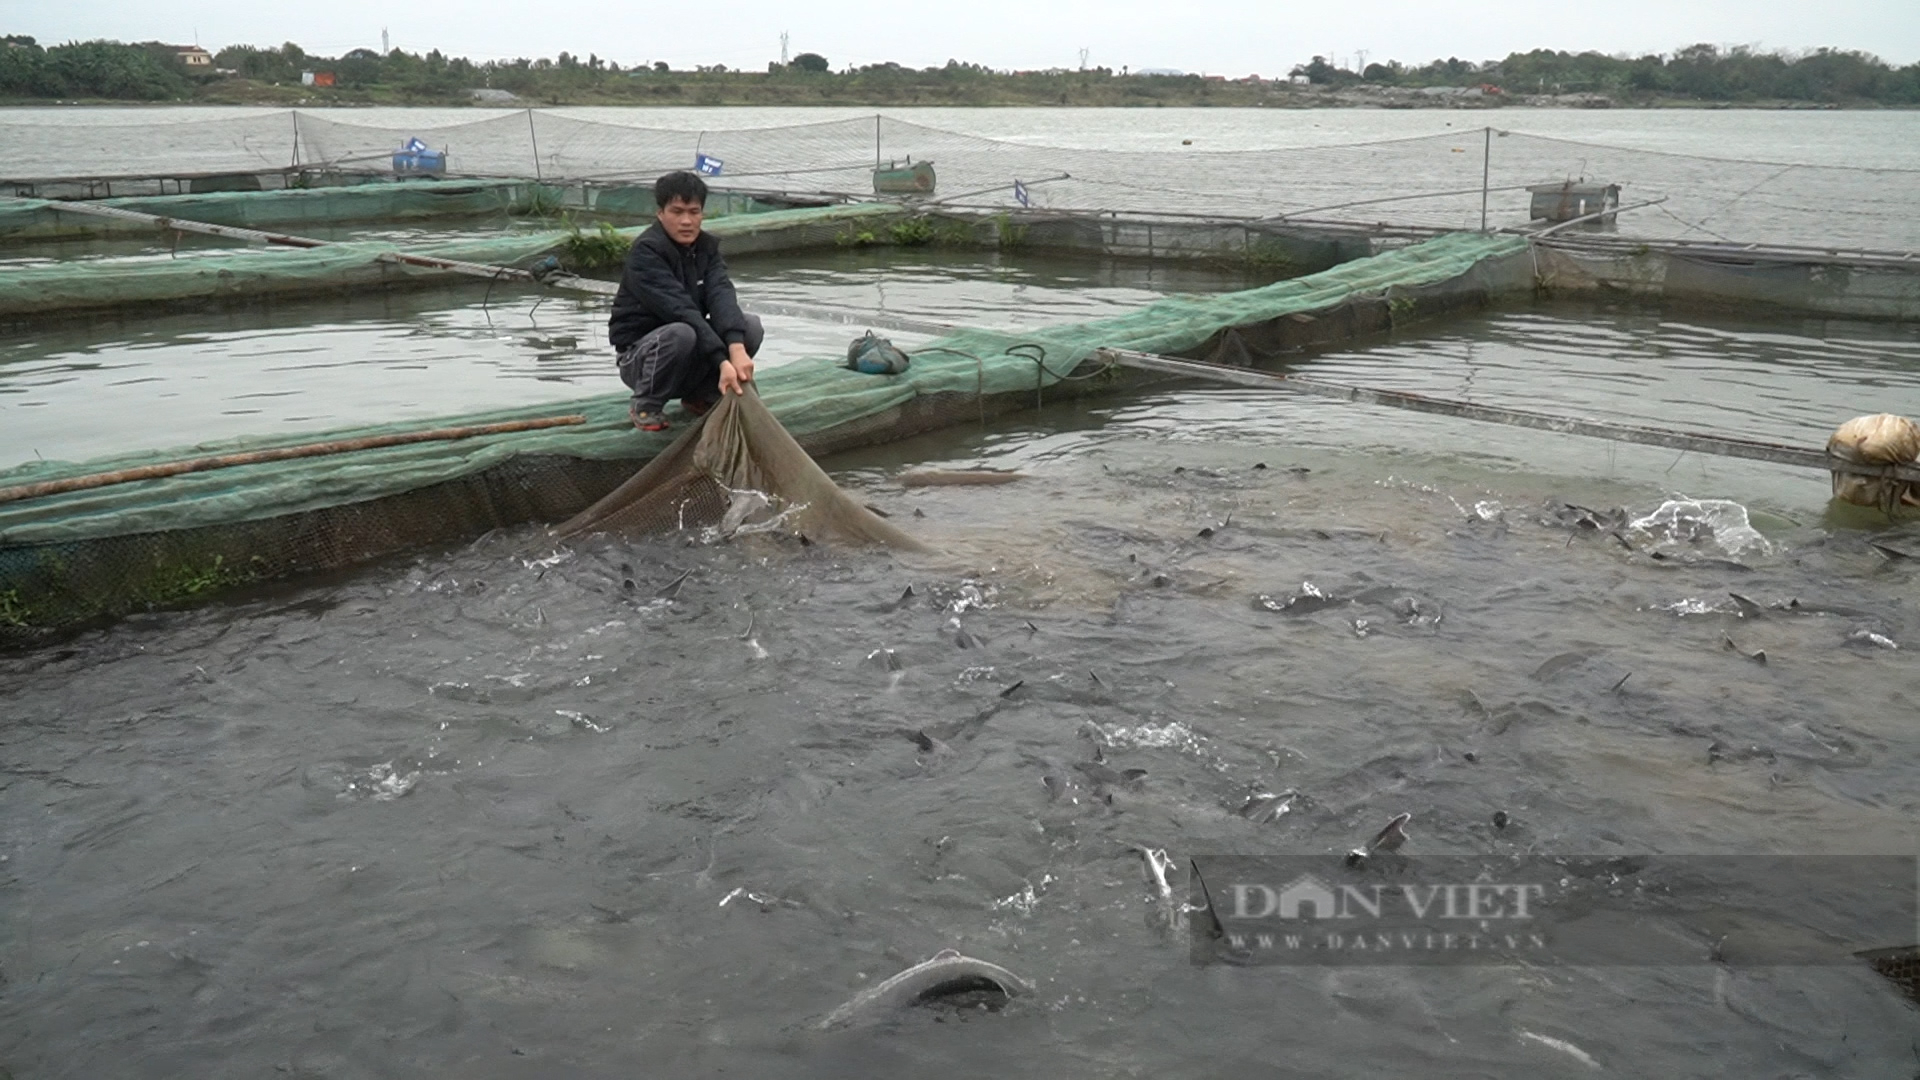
{"points": [[671, 590], [1796, 607], [1262, 807], [945, 975], [1387, 839], [1557, 664], [959, 478], [928, 744], [1060, 786], [741, 508], [1107, 776], [1310, 598], [1891, 553], [1873, 638], [1157, 866]]}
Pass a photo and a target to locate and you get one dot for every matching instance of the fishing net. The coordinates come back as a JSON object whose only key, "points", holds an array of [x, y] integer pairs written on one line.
{"points": [[1453, 180], [736, 471]]}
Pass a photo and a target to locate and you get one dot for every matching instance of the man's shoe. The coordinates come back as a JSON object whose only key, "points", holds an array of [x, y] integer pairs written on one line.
{"points": [[647, 417]]}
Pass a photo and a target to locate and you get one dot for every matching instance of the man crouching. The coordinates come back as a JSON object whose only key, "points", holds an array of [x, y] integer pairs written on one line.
{"points": [[677, 328]]}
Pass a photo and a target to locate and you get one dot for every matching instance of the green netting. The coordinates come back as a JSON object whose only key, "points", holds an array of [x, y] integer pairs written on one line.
{"points": [[76, 555], [234, 275], [23, 219]]}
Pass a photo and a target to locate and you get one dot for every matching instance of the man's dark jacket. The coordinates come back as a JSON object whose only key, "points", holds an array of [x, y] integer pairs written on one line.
{"points": [[666, 283]]}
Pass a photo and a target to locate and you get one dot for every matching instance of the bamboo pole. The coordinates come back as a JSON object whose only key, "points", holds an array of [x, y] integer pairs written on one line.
{"points": [[278, 453]]}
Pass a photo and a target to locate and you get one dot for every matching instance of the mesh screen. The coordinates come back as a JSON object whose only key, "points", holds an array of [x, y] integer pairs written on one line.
{"points": [[1901, 966], [1431, 182]]}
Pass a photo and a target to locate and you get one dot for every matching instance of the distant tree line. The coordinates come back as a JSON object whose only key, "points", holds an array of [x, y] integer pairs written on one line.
{"points": [[1701, 72], [92, 69], [152, 71]]}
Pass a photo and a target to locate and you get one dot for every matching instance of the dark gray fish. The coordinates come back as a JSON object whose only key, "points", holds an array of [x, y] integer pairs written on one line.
{"points": [[1108, 776], [905, 601], [1264, 807], [1892, 553], [958, 478], [1415, 611], [946, 974], [1748, 609], [1391, 837], [1091, 733], [1873, 638], [1009, 691], [1758, 656], [1699, 563], [928, 744], [1598, 520], [1560, 663], [1157, 866], [1060, 786], [1795, 606], [965, 640], [671, 589], [885, 658], [1387, 839], [1308, 600]]}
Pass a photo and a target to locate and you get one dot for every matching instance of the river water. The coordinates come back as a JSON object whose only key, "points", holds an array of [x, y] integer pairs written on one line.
{"points": [[485, 811], [1880, 138]]}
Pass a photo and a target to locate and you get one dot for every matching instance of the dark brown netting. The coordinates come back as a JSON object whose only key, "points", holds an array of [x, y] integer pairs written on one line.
{"points": [[736, 470]]}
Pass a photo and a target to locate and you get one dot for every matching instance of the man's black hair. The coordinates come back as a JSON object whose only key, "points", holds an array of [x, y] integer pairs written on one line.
{"points": [[679, 185]]}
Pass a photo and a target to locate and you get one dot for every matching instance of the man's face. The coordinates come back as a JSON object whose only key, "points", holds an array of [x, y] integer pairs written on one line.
{"points": [[681, 218]]}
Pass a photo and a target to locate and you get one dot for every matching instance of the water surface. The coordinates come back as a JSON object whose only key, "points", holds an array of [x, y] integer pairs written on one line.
{"points": [[475, 812]]}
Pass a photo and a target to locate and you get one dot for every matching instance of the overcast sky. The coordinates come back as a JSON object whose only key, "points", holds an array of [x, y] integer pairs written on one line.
{"points": [[1231, 37]]}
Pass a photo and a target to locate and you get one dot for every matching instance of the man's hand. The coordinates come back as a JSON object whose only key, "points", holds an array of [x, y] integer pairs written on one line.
{"points": [[736, 371]]}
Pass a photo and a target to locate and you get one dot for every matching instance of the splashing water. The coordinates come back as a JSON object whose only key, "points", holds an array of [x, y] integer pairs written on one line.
{"points": [[1690, 522]]}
